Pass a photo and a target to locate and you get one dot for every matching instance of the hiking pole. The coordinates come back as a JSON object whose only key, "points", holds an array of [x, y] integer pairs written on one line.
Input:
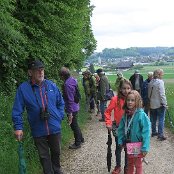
{"points": [[170, 118]]}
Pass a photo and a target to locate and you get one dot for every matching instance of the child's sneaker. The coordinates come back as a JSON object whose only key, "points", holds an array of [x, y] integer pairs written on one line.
{"points": [[117, 170]]}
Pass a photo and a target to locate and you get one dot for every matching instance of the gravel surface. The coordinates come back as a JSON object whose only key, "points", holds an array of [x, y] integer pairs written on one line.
{"points": [[91, 157]]}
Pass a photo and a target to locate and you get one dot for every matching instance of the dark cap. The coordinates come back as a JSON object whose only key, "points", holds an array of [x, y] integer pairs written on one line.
{"points": [[99, 71], [36, 64]]}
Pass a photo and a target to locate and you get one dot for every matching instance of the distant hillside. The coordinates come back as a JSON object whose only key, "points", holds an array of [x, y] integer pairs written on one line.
{"points": [[132, 52]]}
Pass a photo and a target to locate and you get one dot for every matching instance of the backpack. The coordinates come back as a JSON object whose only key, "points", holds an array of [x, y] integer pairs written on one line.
{"points": [[109, 93], [77, 96]]}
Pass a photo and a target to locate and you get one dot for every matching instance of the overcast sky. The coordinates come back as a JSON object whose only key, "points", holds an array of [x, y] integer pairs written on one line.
{"points": [[133, 23]]}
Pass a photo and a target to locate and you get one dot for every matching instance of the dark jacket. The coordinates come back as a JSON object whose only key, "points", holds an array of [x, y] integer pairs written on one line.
{"points": [[103, 87], [32, 98], [145, 91], [132, 80]]}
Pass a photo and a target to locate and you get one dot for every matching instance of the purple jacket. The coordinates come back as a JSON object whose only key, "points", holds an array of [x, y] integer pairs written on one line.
{"points": [[69, 93]]}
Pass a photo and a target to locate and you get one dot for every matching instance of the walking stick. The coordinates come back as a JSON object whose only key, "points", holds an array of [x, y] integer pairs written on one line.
{"points": [[22, 164]]}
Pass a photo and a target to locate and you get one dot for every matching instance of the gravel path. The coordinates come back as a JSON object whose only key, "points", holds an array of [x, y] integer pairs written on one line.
{"points": [[91, 157]]}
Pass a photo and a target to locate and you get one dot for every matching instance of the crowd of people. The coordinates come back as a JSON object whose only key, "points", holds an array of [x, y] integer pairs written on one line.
{"points": [[138, 106]]}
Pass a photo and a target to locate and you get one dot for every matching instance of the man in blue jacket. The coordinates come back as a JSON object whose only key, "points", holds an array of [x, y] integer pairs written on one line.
{"points": [[71, 105], [45, 108]]}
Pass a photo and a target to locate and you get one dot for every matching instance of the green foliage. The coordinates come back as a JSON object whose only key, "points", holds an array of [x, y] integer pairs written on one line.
{"points": [[58, 32], [159, 63], [138, 66], [132, 52], [12, 43], [8, 144]]}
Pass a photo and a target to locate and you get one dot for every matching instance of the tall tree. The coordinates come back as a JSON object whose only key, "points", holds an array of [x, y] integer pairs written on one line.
{"points": [[12, 41], [59, 32]]}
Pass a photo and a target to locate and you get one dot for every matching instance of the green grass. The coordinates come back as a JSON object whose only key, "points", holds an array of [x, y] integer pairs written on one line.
{"points": [[9, 146], [168, 72], [170, 97]]}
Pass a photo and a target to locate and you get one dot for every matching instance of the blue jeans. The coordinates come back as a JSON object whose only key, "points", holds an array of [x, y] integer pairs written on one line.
{"points": [[158, 114], [103, 108]]}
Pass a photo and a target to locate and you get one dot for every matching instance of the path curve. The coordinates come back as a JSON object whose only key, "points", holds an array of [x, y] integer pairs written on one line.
{"points": [[91, 157]]}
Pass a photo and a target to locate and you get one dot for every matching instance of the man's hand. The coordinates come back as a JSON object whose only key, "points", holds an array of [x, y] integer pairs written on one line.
{"points": [[70, 117], [18, 135], [109, 127]]}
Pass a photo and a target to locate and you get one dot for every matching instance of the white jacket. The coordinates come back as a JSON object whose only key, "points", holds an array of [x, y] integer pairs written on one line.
{"points": [[156, 93]]}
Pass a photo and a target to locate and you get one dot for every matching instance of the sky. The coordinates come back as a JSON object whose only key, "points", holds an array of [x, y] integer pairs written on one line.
{"points": [[133, 23]]}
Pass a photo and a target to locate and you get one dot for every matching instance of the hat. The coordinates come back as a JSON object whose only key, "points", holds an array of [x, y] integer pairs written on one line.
{"points": [[99, 71], [36, 64], [137, 72]]}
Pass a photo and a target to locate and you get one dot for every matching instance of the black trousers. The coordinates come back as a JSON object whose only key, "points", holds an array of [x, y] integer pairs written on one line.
{"points": [[118, 154], [49, 152], [76, 129]]}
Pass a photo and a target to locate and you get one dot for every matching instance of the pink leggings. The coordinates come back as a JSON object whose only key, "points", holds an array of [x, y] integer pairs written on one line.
{"points": [[137, 162]]}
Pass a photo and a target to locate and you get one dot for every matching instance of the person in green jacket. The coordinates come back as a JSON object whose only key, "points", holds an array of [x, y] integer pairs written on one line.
{"points": [[103, 87], [134, 127], [90, 88]]}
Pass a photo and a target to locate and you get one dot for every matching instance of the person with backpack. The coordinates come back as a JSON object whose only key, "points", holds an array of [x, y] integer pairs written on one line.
{"points": [[89, 84], [158, 104], [116, 104], [103, 87], [97, 79], [45, 111], [71, 105], [145, 98]]}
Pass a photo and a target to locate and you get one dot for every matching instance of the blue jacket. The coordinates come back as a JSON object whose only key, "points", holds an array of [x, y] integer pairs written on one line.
{"points": [[139, 130], [69, 93], [33, 98]]}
